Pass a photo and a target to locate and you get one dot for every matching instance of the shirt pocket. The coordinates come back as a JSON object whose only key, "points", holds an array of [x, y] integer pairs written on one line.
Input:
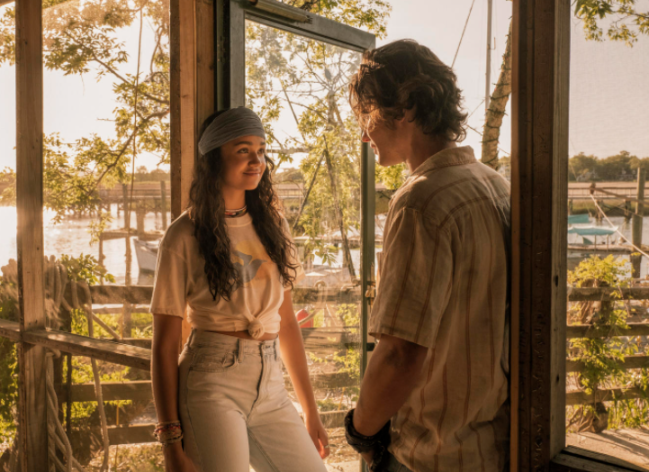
{"points": [[211, 359]]}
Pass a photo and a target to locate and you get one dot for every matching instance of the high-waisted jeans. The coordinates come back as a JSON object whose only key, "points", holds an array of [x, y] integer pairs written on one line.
{"points": [[235, 411]]}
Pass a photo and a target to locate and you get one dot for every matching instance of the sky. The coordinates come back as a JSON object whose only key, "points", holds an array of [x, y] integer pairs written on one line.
{"points": [[609, 109]]}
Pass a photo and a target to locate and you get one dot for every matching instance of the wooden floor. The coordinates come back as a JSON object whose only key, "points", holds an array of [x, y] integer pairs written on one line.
{"points": [[631, 445]]}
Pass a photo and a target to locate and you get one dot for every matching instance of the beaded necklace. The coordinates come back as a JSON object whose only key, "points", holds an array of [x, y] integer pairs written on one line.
{"points": [[236, 213]]}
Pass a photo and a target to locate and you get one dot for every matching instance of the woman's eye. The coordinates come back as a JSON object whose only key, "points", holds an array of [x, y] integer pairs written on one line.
{"points": [[243, 151]]}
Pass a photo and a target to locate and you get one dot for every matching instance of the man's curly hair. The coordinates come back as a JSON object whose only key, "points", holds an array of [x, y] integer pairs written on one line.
{"points": [[403, 75]]}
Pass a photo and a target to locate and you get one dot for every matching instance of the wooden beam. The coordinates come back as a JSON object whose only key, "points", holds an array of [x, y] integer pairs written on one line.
{"points": [[595, 294], [539, 195], [111, 294], [566, 462], [609, 395], [101, 349], [10, 330], [630, 362], [32, 399], [586, 331]]}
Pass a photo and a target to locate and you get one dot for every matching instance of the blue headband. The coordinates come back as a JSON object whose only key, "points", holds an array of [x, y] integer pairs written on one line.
{"points": [[230, 125]]}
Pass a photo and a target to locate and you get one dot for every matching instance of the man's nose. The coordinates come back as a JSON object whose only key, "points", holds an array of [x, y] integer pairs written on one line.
{"points": [[365, 137]]}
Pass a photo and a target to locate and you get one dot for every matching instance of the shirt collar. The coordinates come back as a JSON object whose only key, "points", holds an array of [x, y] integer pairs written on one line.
{"points": [[455, 156]]}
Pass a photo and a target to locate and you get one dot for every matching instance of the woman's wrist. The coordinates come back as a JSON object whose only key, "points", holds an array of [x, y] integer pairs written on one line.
{"points": [[311, 412]]}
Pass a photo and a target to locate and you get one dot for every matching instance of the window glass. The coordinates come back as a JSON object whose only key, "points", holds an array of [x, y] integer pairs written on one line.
{"points": [[299, 88], [607, 320]]}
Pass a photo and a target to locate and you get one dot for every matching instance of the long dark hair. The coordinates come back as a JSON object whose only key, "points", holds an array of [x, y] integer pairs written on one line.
{"points": [[207, 211]]}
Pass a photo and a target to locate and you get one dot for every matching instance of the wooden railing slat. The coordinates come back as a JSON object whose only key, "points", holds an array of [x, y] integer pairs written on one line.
{"points": [[586, 331], [102, 349], [630, 362], [10, 329]]}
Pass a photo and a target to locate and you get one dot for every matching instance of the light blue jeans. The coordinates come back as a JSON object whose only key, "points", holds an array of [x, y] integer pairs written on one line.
{"points": [[235, 411]]}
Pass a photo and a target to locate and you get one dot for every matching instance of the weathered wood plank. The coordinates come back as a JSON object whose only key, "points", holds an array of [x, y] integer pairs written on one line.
{"points": [[631, 362], [578, 451], [581, 398], [586, 331], [607, 294], [102, 349], [565, 462], [111, 294], [10, 330], [32, 399], [539, 189]]}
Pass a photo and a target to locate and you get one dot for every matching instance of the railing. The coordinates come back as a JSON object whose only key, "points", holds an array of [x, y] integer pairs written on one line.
{"points": [[136, 353], [586, 331]]}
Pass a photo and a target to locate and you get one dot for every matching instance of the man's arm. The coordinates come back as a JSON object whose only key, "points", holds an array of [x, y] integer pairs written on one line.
{"points": [[391, 375]]}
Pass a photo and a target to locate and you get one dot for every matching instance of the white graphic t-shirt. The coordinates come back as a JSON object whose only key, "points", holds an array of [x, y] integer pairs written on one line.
{"points": [[181, 286]]}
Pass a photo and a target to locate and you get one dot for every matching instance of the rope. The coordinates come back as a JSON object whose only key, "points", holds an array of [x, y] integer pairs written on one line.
{"points": [[617, 230], [56, 433]]}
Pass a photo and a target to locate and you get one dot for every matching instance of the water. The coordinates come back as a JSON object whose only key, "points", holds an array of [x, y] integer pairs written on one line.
{"points": [[71, 237], [625, 228]]}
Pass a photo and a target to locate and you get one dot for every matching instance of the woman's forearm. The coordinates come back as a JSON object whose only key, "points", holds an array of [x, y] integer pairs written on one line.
{"points": [[294, 357], [292, 348], [164, 367]]}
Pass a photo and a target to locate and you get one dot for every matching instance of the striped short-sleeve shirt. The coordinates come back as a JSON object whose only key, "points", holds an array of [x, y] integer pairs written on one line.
{"points": [[444, 285]]}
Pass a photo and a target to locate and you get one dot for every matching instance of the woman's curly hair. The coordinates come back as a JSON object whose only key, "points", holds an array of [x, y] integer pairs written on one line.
{"points": [[207, 211], [403, 75]]}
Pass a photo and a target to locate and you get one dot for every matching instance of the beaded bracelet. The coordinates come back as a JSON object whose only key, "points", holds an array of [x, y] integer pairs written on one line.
{"points": [[168, 432]]}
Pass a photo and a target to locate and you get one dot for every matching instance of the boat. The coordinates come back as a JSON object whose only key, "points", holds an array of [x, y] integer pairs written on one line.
{"points": [[580, 226], [146, 253]]}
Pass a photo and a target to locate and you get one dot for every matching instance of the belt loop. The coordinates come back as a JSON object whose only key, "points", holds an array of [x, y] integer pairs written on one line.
{"points": [[239, 350]]}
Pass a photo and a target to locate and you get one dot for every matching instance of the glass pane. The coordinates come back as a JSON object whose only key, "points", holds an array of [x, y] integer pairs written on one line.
{"points": [[8, 267], [299, 88], [607, 408]]}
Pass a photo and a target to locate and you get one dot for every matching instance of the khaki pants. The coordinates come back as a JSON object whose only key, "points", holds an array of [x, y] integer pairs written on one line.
{"points": [[235, 411]]}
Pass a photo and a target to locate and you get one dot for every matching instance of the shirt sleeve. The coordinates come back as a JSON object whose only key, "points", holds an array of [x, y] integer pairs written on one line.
{"points": [[293, 256], [416, 279], [170, 284]]}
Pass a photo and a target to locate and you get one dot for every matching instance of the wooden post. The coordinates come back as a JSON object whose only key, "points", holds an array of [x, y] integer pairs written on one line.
{"points": [[140, 213], [163, 203], [540, 90], [636, 260], [32, 398], [126, 206]]}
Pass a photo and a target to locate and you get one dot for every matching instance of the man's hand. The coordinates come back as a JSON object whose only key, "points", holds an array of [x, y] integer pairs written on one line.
{"points": [[392, 373]]}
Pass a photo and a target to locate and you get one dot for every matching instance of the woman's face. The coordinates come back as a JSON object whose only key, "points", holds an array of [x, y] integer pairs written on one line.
{"points": [[244, 162]]}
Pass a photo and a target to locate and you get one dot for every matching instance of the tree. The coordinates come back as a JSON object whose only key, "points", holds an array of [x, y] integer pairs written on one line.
{"points": [[307, 80], [83, 37], [624, 23]]}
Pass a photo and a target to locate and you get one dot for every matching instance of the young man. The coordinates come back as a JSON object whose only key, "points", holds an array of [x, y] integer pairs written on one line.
{"points": [[435, 393]]}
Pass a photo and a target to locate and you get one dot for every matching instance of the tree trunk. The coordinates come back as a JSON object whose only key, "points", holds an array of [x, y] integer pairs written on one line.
{"points": [[339, 213], [497, 105]]}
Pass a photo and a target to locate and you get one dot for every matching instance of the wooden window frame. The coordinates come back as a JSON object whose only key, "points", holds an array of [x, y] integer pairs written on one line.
{"points": [[201, 82], [540, 105]]}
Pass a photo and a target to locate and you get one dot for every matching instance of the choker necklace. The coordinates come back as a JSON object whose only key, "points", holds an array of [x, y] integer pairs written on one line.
{"points": [[235, 213]]}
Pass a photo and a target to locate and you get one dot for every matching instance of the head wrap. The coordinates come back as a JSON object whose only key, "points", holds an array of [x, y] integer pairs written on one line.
{"points": [[230, 125]]}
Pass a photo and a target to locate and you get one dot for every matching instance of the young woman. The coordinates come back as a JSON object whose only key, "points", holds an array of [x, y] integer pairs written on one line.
{"points": [[229, 263]]}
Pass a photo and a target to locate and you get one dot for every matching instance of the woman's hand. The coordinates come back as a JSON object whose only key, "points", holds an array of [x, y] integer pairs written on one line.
{"points": [[318, 434], [176, 460]]}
